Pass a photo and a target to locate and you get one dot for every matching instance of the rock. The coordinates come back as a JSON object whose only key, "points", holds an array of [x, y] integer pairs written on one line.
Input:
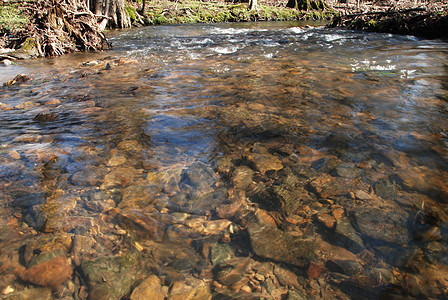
{"points": [[26, 105], [346, 236], [326, 164], [14, 154], [220, 252], [56, 209], [314, 270], [26, 199], [191, 293], [200, 177], [269, 242], [233, 273], [383, 224], [242, 177], [121, 177], [326, 220], [347, 267], [51, 273], [30, 294], [4, 106], [46, 117], [89, 176], [286, 277], [347, 171], [110, 277], [6, 62], [386, 189], [295, 295], [150, 288], [116, 160], [41, 258], [138, 196], [224, 165], [130, 146], [265, 162], [53, 101], [327, 186], [361, 195], [141, 223]]}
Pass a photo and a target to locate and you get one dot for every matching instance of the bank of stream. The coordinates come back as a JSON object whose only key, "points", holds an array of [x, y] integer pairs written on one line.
{"points": [[249, 161]]}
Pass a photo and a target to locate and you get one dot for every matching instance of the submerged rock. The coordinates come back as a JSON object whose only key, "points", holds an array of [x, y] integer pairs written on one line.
{"points": [[270, 242], [150, 288], [383, 224], [110, 277], [30, 294], [346, 236], [200, 177], [51, 273]]}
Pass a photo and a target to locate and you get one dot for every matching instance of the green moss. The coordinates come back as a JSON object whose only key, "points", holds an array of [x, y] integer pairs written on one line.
{"points": [[188, 11], [131, 12], [12, 18]]}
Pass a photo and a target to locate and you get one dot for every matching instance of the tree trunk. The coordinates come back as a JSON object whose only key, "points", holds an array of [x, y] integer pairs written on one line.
{"points": [[253, 4], [307, 4], [115, 10]]}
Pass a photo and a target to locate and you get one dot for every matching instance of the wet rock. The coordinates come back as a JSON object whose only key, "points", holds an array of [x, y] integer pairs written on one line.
{"points": [[130, 145], [224, 165], [200, 177], [18, 79], [46, 117], [187, 292], [314, 270], [150, 288], [233, 273], [270, 242], [121, 177], [28, 138], [116, 160], [361, 195], [201, 226], [383, 224], [327, 186], [26, 199], [287, 277], [110, 277], [326, 220], [347, 171], [26, 105], [326, 164], [89, 176], [292, 194], [4, 106], [51, 273], [346, 236], [347, 267], [52, 101], [386, 189], [294, 295], [220, 253], [56, 209], [141, 223], [39, 259], [265, 162], [138, 196], [30, 294], [242, 177]]}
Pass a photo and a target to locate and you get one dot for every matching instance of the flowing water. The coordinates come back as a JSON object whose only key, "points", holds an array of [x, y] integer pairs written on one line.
{"points": [[247, 161]]}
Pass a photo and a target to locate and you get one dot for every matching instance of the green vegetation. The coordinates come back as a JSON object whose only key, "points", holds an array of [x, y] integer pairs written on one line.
{"points": [[190, 11], [12, 18]]}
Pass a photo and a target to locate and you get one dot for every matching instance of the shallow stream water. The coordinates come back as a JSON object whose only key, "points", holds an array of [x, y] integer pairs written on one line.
{"points": [[228, 161]]}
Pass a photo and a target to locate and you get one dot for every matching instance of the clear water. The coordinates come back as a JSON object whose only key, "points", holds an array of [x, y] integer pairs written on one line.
{"points": [[324, 134]]}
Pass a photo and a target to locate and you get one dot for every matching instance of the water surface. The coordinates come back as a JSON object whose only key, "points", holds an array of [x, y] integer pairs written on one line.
{"points": [[254, 160]]}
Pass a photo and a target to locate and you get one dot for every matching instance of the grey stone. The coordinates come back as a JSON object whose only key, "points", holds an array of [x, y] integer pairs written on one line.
{"points": [[347, 237]]}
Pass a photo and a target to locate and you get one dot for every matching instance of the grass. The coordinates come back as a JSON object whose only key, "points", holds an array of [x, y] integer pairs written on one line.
{"points": [[12, 18]]}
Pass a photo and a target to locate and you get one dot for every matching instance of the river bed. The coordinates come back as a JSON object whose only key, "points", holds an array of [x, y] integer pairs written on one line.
{"points": [[228, 161]]}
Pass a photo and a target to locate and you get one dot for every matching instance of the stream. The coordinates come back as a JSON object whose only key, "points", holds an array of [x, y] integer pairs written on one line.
{"points": [[268, 160]]}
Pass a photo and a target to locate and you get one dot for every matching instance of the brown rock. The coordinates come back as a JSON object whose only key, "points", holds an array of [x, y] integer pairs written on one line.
{"points": [[26, 105], [52, 101], [361, 195], [314, 270], [326, 220], [52, 273], [150, 288], [4, 106], [286, 277], [265, 162]]}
